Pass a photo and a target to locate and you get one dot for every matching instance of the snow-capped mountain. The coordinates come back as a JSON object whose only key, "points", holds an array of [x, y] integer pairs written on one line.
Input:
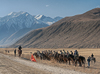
{"points": [[47, 20], [18, 21]]}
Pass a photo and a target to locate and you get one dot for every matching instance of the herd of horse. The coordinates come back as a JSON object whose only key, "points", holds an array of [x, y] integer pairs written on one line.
{"points": [[61, 58]]}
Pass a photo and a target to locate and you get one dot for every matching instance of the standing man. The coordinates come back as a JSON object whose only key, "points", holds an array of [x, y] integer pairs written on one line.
{"points": [[88, 61], [15, 52]]}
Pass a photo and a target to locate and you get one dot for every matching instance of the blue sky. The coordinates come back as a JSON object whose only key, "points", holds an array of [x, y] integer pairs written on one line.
{"points": [[50, 8]]}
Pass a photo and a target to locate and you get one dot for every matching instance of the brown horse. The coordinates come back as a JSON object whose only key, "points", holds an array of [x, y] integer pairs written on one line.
{"points": [[81, 60], [19, 52], [69, 58]]}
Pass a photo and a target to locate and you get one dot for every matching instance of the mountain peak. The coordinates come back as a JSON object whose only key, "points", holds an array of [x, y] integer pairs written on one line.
{"points": [[15, 14], [39, 16], [11, 13]]}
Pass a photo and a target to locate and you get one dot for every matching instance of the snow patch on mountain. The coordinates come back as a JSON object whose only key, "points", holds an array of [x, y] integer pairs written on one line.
{"points": [[38, 17], [26, 14], [49, 23], [10, 13]]}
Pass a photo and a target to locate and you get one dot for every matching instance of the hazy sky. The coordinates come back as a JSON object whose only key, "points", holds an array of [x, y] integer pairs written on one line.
{"points": [[50, 8]]}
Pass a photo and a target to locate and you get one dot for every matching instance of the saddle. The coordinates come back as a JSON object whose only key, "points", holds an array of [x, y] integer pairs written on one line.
{"points": [[76, 57]]}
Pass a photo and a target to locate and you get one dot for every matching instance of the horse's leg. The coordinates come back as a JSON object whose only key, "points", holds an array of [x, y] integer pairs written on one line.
{"points": [[69, 61], [84, 63], [94, 60], [72, 61], [75, 63], [80, 64], [19, 55], [64, 60]]}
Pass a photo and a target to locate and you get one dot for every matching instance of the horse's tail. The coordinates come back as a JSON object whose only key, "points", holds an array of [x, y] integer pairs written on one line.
{"points": [[84, 61]]}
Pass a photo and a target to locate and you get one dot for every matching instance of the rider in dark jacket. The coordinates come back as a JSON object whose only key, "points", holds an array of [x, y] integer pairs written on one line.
{"points": [[92, 55], [76, 55], [19, 47], [71, 52]]}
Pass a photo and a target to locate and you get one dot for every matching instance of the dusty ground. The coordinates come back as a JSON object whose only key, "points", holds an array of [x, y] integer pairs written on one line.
{"points": [[94, 69], [8, 66]]}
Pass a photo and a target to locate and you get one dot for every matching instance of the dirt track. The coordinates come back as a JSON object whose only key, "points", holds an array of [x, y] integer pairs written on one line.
{"points": [[16, 65], [10, 65]]}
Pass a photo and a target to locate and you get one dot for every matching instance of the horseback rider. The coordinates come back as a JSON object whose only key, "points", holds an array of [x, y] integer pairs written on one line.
{"points": [[19, 47], [71, 52], [61, 52], [67, 54], [64, 52], [38, 52], [92, 55], [43, 52], [19, 51], [76, 55]]}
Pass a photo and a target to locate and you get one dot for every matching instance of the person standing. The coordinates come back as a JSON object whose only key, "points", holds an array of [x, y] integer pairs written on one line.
{"points": [[15, 52], [88, 61]]}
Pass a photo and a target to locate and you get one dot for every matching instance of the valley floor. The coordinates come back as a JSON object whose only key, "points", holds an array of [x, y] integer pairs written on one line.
{"points": [[15, 65], [10, 64]]}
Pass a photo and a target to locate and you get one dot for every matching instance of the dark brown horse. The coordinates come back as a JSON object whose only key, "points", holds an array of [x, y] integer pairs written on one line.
{"points": [[69, 58], [19, 52], [37, 56], [41, 56], [81, 60]]}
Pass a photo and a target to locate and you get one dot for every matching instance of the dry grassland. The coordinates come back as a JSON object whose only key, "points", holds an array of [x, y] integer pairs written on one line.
{"points": [[94, 68]]}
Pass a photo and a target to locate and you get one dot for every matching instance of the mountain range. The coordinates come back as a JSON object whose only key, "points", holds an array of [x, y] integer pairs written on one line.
{"points": [[79, 31], [16, 24]]}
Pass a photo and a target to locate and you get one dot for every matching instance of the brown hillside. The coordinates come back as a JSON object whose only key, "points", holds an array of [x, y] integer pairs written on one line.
{"points": [[80, 31]]}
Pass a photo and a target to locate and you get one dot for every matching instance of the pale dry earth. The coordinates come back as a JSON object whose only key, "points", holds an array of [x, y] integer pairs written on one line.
{"points": [[49, 67], [15, 65], [9, 65]]}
